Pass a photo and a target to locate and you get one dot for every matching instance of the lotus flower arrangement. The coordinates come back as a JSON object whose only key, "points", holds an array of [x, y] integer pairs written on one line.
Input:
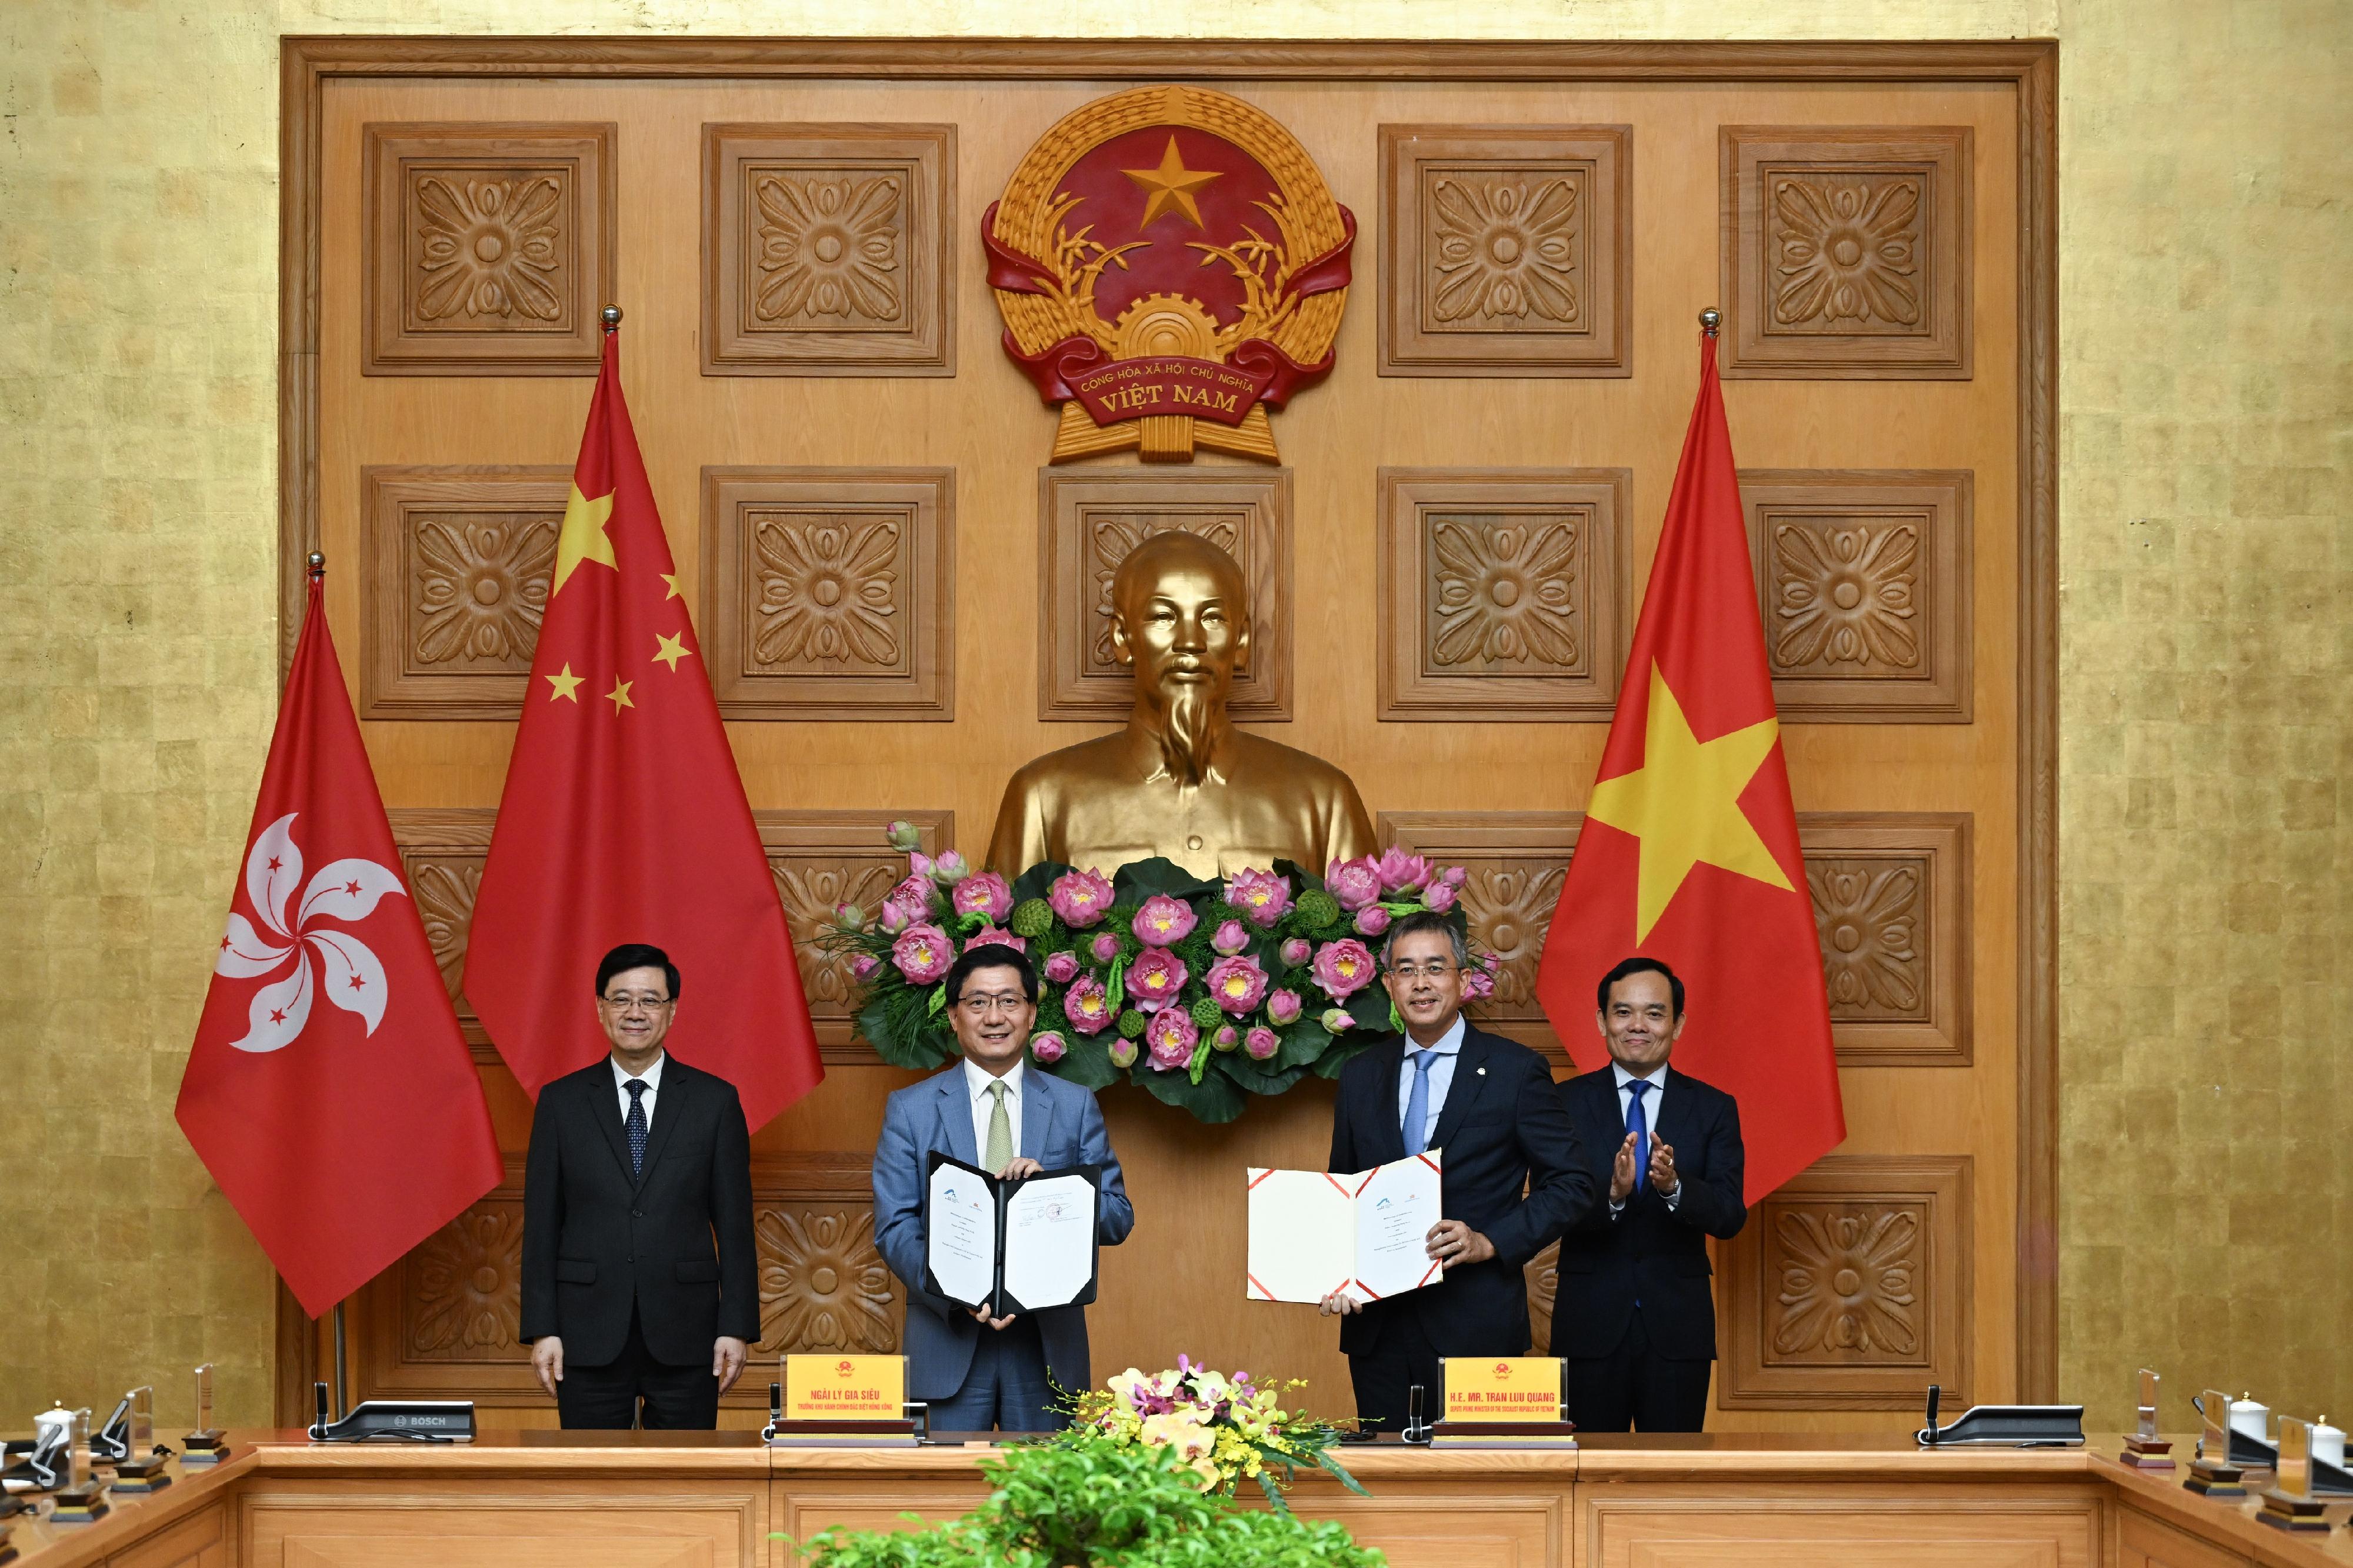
{"points": [[1201, 993], [1225, 1429]]}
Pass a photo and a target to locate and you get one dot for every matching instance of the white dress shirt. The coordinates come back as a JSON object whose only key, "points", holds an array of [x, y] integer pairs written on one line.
{"points": [[1441, 1076], [976, 1080], [652, 1077], [1657, 1080]]}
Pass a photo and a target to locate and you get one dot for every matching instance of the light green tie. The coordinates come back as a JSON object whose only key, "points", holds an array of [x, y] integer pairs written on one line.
{"points": [[1000, 1131]]}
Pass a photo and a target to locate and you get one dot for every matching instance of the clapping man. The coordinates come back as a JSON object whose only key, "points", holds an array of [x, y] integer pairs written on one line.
{"points": [[979, 1372], [1633, 1315], [1511, 1176]]}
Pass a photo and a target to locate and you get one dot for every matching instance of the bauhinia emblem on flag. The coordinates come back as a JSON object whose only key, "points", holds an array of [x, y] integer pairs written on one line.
{"points": [[346, 1135], [624, 818], [1689, 849]]}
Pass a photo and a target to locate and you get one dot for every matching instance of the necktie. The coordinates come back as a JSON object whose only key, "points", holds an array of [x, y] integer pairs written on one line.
{"points": [[1000, 1131], [635, 1125], [1640, 1126], [1417, 1104]]}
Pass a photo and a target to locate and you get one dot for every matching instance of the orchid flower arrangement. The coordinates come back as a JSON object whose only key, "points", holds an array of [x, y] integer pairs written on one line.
{"points": [[1201, 993], [1225, 1429]]}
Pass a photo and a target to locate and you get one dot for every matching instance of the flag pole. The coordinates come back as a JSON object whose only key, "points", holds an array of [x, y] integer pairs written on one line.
{"points": [[1710, 320], [317, 563], [611, 316]]}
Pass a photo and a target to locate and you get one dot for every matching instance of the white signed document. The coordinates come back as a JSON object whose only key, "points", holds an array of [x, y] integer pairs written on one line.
{"points": [[1012, 1246], [960, 1232], [1312, 1233], [1050, 1240]]}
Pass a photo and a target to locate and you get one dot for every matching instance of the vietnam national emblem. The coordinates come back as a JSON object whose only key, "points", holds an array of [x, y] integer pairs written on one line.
{"points": [[1170, 265]]}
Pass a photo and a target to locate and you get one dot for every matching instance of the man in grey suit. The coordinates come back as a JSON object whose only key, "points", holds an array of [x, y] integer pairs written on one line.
{"points": [[992, 1109]]}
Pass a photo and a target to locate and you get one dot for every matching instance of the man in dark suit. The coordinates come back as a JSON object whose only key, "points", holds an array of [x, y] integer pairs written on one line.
{"points": [[1490, 1104], [641, 1295], [1633, 1317], [1000, 1111]]}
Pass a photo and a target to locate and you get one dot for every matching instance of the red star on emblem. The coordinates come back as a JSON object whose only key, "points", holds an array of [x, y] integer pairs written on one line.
{"points": [[357, 984], [224, 944], [274, 862], [352, 887], [276, 1014]]}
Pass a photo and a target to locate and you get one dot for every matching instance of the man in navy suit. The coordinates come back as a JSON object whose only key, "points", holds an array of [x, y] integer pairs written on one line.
{"points": [[1634, 1316], [977, 1373], [1490, 1105]]}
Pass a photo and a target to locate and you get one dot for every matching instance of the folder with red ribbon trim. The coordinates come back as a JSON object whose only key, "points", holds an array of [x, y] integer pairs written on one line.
{"points": [[1314, 1234]]}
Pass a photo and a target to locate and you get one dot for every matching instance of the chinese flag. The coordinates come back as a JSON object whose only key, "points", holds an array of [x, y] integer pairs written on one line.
{"points": [[1689, 850], [329, 1092], [624, 818]]}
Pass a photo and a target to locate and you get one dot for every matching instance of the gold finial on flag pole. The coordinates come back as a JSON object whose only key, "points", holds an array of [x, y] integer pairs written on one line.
{"points": [[611, 316], [1710, 320]]}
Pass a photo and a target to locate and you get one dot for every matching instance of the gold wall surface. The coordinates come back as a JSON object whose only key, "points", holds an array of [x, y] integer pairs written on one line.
{"points": [[2206, 1188]]}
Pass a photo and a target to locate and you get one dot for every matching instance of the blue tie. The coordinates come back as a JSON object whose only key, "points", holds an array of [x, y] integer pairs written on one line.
{"points": [[1417, 1104], [1640, 1126], [635, 1125]]}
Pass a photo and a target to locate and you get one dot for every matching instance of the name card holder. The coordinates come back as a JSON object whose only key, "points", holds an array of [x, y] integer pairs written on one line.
{"points": [[2213, 1473], [2289, 1502], [204, 1446], [840, 1402], [82, 1499], [2144, 1449], [1514, 1402]]}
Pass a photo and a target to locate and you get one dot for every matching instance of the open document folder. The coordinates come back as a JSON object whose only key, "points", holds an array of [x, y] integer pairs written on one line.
{"points": [[1312, 1233]]}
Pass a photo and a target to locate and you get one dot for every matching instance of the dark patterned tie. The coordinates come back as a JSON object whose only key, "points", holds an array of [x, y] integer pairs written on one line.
{"points": [[635, 1125], [1640, 1126]]}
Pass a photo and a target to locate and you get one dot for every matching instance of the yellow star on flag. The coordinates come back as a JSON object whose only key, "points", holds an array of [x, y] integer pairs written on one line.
{"points": [[1171, 185], [671, 579], [567, 684], [584, 537], [670, 649], [1683, 804], [619, 696]]}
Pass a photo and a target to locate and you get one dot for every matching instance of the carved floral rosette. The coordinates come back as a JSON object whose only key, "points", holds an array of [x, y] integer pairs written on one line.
{"points": [[1170, 265]]}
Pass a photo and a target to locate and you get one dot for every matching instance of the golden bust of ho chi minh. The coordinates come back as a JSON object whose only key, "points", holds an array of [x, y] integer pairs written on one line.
{"points": [[1179, 780]]}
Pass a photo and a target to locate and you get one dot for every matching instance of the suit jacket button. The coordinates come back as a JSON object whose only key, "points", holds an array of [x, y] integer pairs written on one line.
{"points": [[636, 1214]]}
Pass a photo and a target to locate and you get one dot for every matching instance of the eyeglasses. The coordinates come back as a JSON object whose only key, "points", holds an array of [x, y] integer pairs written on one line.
{"points": [[633, 1004], [997, 1002], [1412, 971]]}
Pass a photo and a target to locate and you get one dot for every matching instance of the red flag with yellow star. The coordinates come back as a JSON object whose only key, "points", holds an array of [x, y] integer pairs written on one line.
{"points": [[624, 818], [1689, 850]]}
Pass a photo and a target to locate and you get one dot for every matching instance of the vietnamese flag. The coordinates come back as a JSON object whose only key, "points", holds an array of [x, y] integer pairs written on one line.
{"points": [[624, 818], [329, 1091], [1689, 850]]}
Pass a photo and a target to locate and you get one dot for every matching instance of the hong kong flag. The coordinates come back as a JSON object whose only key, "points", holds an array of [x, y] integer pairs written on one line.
{"points": [[624, 818], [1689, 851], [329, 1092]]}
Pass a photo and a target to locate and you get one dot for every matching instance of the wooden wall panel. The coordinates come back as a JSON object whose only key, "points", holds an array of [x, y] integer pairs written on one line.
{"points": [[1850, 1288], [830, 593], [823, 858], [491, 246], [1865, 580], [1507, 250], [455, 572], [1516, 861], [1088, 521], [441, 856], [1847, 251], [828, 249], [1505, 594]]}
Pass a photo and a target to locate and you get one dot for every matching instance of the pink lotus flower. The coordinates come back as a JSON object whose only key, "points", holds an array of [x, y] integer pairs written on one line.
{"points": [[1262, 897], [1297, 950], [1155, 976], [1284, 1006], [1088, 1007], [1372, 919], [996, 936], [1343, 968], [1337, 1021], [864, 965], [1456, 875], [983, 893], [1237, 984], [1079, 898], [1230, 938], [1061, 968], [920, 865], [1479, 979], [1261, 1043], [1123, 1052], [1163, 920], [923, 954], [904, 836], [1105, 947], [949, 870], [1172, 1039], [1355, 883], [1047, 1047], [1225, 1039], [894, 919], [849, 917], [1440, 896], [1398, 871]]}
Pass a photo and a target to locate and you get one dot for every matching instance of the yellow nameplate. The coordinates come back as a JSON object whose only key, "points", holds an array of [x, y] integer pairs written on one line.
{"points": [[845, 1387], [1516, 1388]]}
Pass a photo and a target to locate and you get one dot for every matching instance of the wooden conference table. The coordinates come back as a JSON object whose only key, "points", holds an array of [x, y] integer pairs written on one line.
{"points": [[540, 1500]]}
